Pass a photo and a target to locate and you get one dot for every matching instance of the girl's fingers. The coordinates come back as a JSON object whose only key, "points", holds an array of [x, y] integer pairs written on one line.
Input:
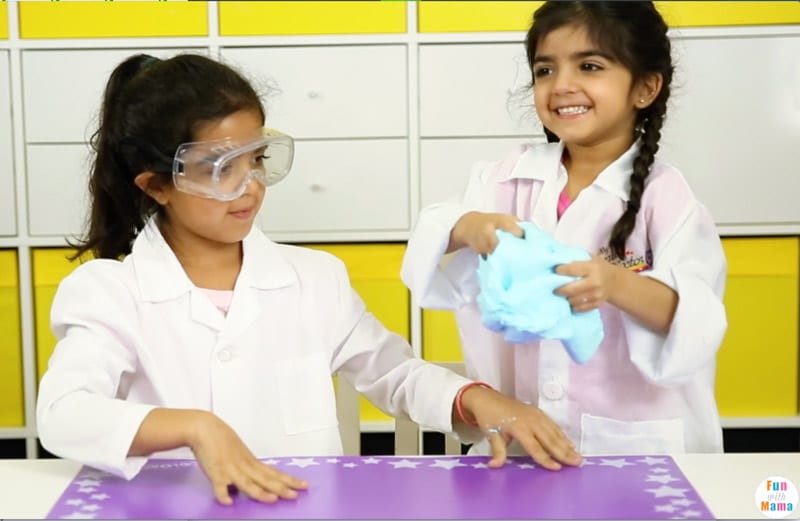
{"points": [[498, 448], [221, 491], [282, 484], [256, 490], [535, 450]]}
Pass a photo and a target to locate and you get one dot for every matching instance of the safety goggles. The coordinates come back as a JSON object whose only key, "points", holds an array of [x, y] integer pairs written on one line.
{"points": [[223, 169]]}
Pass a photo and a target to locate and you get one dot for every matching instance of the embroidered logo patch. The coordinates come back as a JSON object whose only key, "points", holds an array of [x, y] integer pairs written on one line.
{"points": [[632, 261]]}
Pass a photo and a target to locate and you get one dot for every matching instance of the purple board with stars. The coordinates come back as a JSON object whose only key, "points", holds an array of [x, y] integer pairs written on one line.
{"points": [[427, 487]]}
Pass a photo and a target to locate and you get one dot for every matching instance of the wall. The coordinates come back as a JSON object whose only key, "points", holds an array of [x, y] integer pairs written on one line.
{"points": [[390, 103]]}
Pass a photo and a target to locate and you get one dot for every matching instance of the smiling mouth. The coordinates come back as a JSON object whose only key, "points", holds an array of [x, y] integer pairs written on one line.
{"points": [[572, 110]]}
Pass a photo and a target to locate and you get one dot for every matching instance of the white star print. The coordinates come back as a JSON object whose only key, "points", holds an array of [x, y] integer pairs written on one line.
{"points": [[372, 461], [659, 470], [94, 474], [91, 508], [74, 502], [653, 461], [87, 483], [663, 478], [302, 462], [691, 513], [682, 502], [101, 496], [618, 463], [448, 464], [480, 466], [587, 462], [271, 461], [87, 490], [666, 508], [404, 464], [80, 515], [332, 460], [667, 491], [349, 465], [526, 466]]}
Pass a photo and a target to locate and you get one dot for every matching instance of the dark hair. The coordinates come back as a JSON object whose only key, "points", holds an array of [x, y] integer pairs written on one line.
{"points": [[635, 34], [149, 107]]}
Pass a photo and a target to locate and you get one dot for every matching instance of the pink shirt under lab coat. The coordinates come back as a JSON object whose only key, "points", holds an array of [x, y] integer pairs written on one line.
{"points": [[137, 334], [642, 392]]}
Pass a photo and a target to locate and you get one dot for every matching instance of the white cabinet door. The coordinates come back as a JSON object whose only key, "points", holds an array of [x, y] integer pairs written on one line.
{"points": [[342, 186], [63, 90], [58, 189], [330, 92], [733, 126], [8, 209], [475, 90], [446, 164]]}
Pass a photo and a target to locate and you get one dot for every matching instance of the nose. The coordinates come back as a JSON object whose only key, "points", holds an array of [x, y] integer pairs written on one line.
{"points": [[563, 82]]}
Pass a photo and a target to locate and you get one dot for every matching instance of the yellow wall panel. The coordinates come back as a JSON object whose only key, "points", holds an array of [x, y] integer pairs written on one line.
{"points": [[722, 13], [307, 17], [460, 16], [12, 409], [758, 361], [3, 20], [374, 271], [447, 16], [50, 266], [112, 19], [440, 341]]}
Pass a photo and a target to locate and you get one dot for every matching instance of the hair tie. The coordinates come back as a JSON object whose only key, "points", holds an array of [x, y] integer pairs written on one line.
{"points": [[633, 206]]}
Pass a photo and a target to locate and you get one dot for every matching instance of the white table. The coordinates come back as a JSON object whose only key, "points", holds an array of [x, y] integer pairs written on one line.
{"points": [[726, 482]]}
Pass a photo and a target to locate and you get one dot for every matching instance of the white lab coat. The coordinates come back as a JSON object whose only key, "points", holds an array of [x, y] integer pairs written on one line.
{"points": [[137, 334], [642, 392]]}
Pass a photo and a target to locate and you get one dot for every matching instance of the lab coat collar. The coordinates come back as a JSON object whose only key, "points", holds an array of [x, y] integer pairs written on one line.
{"points": [[161, 276], [543, 162]]}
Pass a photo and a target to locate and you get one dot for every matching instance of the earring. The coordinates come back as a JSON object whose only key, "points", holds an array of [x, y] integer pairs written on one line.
{"points": [[642, 101]]}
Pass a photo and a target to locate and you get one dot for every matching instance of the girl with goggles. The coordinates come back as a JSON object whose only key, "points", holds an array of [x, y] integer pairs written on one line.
{"points": [[194, 335]]}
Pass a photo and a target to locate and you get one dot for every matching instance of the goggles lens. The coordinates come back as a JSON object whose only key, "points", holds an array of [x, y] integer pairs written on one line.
{"points": [[223, 169]]}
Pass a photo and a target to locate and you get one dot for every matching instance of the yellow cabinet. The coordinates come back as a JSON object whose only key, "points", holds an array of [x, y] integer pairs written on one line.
{"points": [[50, 266], [320, 17], [440, 340], [12, 408], [460, 16], [758, 361], [112, 19], [374, 271], [723, 13], [3, 20]]}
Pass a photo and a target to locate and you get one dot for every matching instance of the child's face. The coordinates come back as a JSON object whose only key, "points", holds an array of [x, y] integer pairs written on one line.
{"points": [[218, 221], [581, 94]]}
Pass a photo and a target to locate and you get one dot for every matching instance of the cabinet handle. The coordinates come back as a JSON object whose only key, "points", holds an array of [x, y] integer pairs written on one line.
{"points": [[314, 94]]}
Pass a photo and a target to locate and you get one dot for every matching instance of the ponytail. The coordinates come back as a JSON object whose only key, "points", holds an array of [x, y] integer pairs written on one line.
{"points": [[117, 204]]}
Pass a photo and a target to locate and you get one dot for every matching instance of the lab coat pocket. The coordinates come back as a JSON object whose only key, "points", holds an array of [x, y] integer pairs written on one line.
{"points": [[608, 436], [306, 393]]}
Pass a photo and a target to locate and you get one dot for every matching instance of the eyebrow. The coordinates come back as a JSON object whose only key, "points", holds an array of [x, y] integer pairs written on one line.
{"points": [[576, 56]]}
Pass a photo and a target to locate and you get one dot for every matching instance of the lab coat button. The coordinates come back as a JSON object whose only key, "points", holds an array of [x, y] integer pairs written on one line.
{"points": [[224, 355], [552, 391]]}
